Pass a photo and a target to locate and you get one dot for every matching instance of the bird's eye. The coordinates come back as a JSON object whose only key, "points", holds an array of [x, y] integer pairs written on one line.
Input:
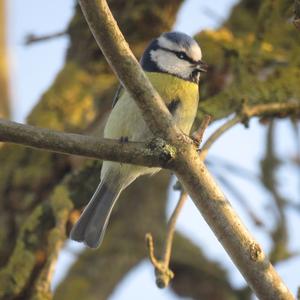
{"points": [[181, 55]]}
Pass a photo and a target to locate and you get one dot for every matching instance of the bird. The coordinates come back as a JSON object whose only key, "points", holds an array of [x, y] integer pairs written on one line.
{"points": [[173, 63]]}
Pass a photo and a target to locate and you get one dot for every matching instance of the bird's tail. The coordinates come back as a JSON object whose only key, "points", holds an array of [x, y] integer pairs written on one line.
{"points": [[91, 226]]}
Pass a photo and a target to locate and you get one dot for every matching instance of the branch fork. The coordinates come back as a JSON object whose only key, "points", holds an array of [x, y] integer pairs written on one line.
{"points": [[163, 273]]}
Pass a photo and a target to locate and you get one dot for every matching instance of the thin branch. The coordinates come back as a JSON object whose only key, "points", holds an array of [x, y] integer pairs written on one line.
{"points": [[156, 153], [171, 227], [163, 274], [260, 110], [32, 38], [198, 134], [162, 271], [226, 126], [233, 168], [150, 246], [269, 164], [289, 108], [242, 200]]}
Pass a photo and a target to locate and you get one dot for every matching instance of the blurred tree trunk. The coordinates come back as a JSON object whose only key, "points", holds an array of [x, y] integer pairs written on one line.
{"points": [[4, 78]]}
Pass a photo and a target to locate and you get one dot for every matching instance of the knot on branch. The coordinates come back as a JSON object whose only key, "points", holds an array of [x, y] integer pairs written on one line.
{"points": [[244, 113], [162, 272], [255, 251], [166, 152]]}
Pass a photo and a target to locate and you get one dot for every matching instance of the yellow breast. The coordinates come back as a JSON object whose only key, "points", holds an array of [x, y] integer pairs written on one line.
{"points": [[126, 119], [173, 88]]}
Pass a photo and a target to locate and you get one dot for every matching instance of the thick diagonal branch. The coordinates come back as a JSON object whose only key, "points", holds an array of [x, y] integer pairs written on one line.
{"points": [[240, 245]]}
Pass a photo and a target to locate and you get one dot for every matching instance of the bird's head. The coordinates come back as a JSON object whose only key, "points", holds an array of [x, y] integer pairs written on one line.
{"points": [[174, 53]]}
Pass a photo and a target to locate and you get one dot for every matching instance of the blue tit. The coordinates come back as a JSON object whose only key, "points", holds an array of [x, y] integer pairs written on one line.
{"points": [[173, 64]]}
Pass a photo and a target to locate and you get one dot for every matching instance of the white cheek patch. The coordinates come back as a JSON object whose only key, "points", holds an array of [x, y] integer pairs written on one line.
{"points": [[168, 62]]}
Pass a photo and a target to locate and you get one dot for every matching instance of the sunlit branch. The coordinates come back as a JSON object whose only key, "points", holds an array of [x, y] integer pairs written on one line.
{"points": [[154, 153]]}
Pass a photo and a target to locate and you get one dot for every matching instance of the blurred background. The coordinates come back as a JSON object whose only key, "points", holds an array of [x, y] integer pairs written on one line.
{"points": [[63, 82]]}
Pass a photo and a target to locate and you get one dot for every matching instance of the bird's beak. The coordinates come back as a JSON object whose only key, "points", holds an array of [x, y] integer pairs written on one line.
{"points": [[201, 66]]}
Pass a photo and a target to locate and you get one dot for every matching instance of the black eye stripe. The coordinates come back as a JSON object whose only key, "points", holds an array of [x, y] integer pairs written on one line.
{"points": [[180, 54]]}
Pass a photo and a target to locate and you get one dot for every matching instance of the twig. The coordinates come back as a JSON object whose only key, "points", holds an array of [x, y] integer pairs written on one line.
{"points": [[248, 111], [155, 153], [32, 38], [163, 274], [240, 197], [198, 134], [150, 246], [171, 227], [235, 169], [290, 108], [269, 165], [162, 271], [229, 124]]}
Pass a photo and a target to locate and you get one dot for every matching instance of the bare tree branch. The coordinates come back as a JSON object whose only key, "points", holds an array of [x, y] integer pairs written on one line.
{"points": [[226, 126], [32, 38], [291, 108], [153, 154], [247, 112], [163, 272], [240, 245], [198, 134]]}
